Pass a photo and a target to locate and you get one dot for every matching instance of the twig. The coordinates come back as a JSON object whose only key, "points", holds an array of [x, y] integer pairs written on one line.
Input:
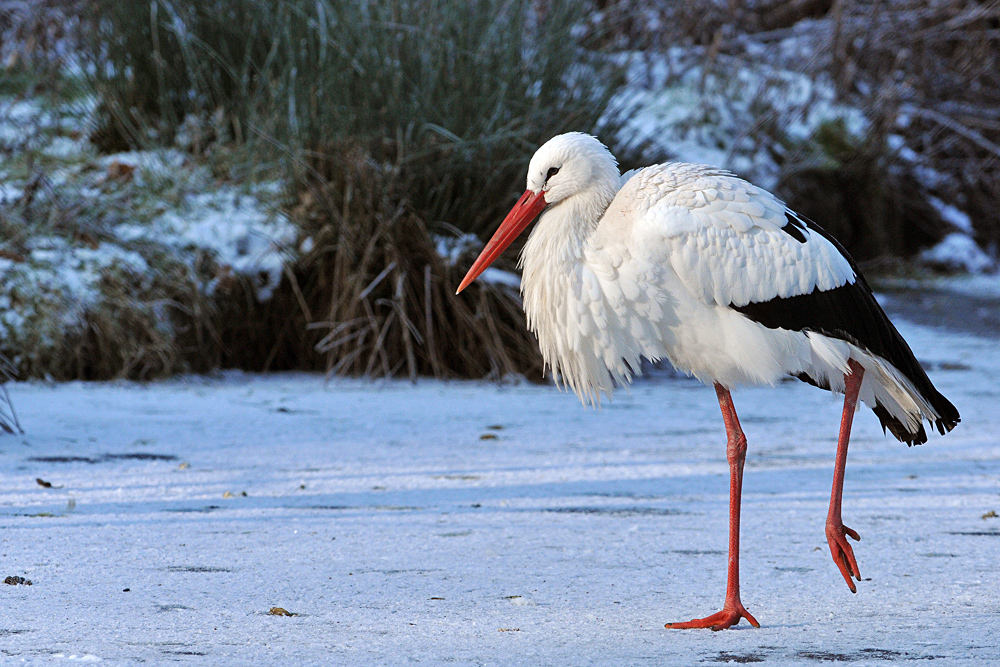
{"points": [[327, 345], [294, 282], [379, 351], [411, 360], [379, 278], [954, 126], [8, 422], [429, 322]]}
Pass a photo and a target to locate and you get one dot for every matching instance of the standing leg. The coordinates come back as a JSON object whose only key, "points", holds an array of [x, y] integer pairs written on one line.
{"points": [[836, 531], [736, 451]]}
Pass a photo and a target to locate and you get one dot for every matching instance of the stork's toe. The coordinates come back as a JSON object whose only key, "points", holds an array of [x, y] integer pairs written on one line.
{"points": [[727, 618], [843, 554]]}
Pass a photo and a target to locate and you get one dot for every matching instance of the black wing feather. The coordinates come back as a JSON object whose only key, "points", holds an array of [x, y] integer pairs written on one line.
{"points": [[851, 313]]}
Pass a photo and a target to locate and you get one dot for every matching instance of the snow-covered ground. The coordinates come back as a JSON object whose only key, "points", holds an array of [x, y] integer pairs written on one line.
{"points": [[467, 523]]}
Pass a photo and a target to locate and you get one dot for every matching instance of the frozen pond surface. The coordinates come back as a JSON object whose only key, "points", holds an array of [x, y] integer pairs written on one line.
{"points": [[469, 524]]}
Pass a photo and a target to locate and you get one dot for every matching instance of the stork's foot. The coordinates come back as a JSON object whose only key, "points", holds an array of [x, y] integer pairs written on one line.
{"points": [[728, 617], [843, 554]]}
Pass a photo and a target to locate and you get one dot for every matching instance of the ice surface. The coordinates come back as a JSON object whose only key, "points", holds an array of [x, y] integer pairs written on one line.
{"points": [[467, 523], [982, 285]]}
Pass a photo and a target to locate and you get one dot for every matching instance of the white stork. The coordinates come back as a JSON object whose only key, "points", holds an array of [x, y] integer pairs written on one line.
{"points": [[692, 264]]}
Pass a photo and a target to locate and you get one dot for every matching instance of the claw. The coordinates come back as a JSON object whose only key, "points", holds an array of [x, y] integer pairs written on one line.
{"points": [[728, 617], [843, 554]]}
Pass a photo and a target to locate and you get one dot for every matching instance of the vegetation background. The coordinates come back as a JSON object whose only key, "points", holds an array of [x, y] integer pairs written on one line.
{"points": [[390, 136]]}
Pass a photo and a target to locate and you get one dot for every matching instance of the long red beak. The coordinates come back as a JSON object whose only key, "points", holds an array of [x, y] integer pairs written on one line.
{"points": [[525, 210]]}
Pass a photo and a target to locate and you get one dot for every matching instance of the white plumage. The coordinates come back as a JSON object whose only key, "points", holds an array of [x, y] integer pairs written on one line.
{"points": [[653, 268], [692, 264]]}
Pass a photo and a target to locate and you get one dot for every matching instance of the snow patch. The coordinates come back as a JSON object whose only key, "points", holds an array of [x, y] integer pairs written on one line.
{"points": [[711, 116], [959, 219], [61, 278], [164, 161], [958, 252], [451, 248], [63, 147], [235, 227], [169, 210], [495, 276]]}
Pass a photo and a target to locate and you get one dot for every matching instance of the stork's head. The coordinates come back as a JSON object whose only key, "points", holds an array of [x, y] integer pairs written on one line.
{"points": [[565, 165], [568, 164]]}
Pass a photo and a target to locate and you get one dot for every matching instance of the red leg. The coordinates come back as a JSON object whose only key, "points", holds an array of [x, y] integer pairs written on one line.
{"points": [[736, 450], [836, 531]]}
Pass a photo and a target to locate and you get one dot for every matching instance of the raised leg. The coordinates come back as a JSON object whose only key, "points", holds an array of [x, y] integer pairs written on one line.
{"points": [[736, 450], [836, 531]]}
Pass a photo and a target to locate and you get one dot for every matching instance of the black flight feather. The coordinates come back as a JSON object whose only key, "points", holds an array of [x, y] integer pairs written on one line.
{"points": [[851, 313]]}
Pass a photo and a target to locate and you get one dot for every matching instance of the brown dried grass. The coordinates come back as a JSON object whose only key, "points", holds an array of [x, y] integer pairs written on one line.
{"points": [[9, 422], [373, 297]]}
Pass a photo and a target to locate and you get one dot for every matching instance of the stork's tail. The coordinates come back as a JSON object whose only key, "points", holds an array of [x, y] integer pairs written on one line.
{"points": [[902, 402]]}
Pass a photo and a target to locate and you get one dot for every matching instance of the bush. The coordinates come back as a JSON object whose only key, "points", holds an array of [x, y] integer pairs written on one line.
{"points": [[458, 95], [397, 121]]}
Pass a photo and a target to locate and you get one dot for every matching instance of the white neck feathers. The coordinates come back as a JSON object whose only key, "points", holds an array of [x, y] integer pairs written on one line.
{"points": [[558, 288]]}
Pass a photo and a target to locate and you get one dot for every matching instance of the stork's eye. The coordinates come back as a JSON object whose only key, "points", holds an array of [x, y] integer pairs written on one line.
{"points": [[552, 172]]}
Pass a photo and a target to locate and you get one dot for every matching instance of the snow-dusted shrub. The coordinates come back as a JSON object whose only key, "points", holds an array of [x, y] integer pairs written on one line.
{"points": [[372, 295], [930, 73], [457, 95], [398, 121], [117, 266], [9, 422], [754, 87]]}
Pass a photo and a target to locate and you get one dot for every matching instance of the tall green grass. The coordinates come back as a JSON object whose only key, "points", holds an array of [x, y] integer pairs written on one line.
{"points": [[395, 120], [455, 94]]}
